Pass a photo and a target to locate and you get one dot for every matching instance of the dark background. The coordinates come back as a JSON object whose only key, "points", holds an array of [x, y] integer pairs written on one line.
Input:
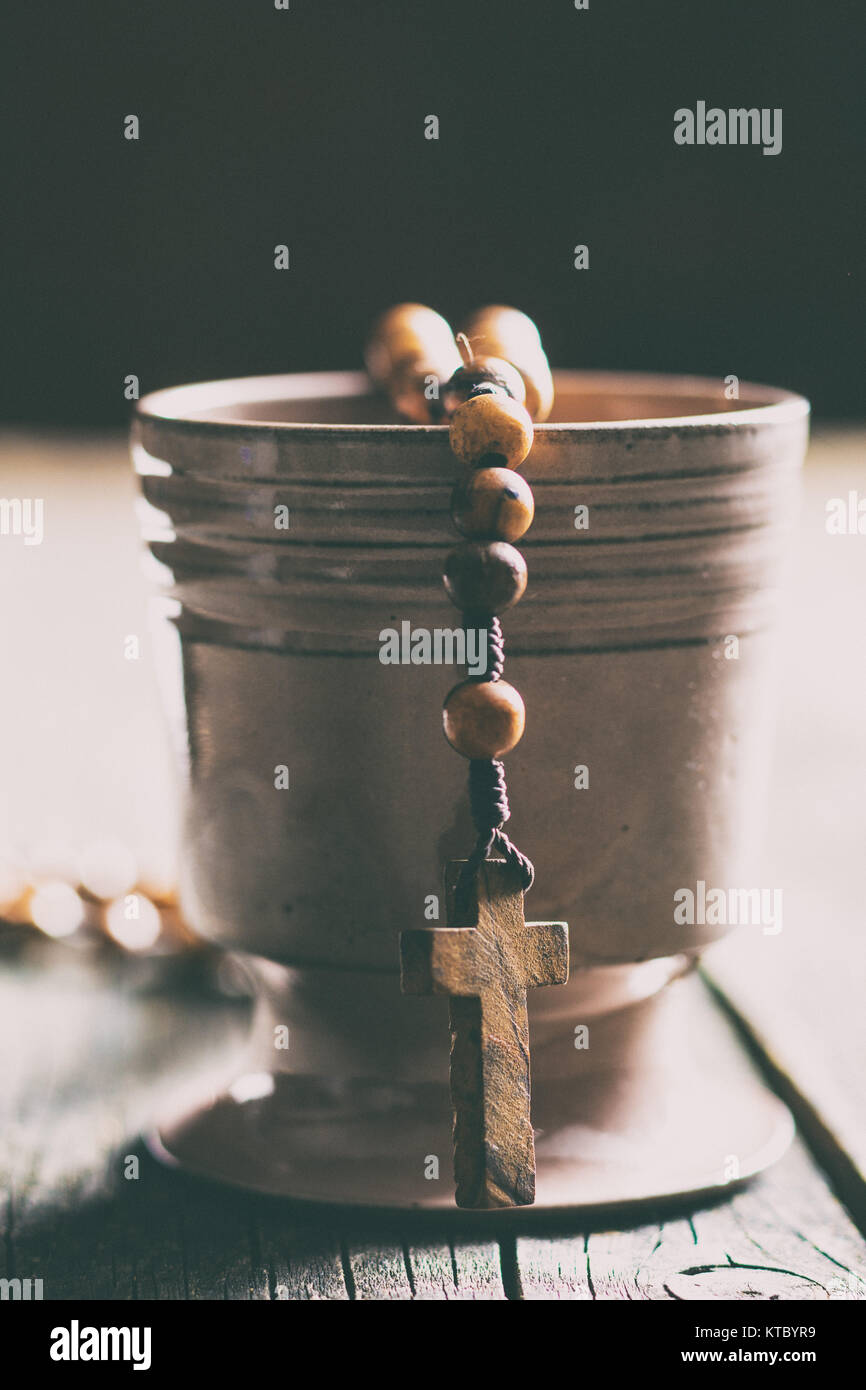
{"points": [[306, 127]]}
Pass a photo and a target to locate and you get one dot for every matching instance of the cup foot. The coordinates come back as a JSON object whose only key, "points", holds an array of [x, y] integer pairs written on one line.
{"points": [[663, 1103]]}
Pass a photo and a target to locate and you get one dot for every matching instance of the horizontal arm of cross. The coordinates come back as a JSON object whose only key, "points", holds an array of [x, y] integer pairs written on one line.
{"points": [[439, 960], [545, 953], [455, 960]]}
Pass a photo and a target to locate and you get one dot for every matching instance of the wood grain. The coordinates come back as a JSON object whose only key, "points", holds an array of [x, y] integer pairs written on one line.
{"points": [[87, 1066], [485, 967], [785, 1237], [800, 991]]}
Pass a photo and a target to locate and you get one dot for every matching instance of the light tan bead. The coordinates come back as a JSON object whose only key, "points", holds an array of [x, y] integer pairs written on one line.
{"points": [[505, 332], [408, 388], [494, 428], [483, 719], [506, 325], [538, 380], [410, 333]]}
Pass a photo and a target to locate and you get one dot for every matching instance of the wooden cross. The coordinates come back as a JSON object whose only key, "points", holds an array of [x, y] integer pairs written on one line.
{"points": [[486, 967]]}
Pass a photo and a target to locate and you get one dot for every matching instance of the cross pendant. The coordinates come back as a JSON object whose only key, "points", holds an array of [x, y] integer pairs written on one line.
{"points": [[486, 966]]}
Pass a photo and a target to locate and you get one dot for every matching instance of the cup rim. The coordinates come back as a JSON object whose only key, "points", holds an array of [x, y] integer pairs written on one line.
{"points": [[186, 406]]}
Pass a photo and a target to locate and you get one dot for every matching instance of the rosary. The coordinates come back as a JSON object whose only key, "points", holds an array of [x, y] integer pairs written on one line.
{"points": [[496, 382]]}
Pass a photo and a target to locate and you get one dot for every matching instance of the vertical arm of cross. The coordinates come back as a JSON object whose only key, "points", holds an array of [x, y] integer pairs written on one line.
{"points": [[485, 969]]}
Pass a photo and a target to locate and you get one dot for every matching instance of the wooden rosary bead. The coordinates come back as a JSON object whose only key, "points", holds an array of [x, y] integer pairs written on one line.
{"points": [[508, 333], [485, 577], [407, 334], [491, 425], [538, 380], [492, 504], [472, 374], [507, 325], [407, 387], [483, 719]]}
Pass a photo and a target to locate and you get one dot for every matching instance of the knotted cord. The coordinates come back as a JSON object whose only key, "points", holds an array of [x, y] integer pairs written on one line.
{"points": [[488, 794]]}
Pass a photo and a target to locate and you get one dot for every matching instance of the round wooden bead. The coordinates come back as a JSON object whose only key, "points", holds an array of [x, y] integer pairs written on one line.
{"points": [[483, 719], [408, 389], [493, 370], [503, 324], [508, 333], [492, 504], [485, 577], [538, 380], [491, 425], [411, 333]]}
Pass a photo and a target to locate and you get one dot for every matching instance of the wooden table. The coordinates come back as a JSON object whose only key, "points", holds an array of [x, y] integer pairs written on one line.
{"points": [[89, 1053]]}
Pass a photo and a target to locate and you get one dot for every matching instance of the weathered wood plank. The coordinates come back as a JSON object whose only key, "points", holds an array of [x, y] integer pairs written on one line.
{"points": [[431, 1271], [390, 1259], [478, 1270], [785, 1236], [88, 1066], [378, 1271], [91, 1063], [801, 989], [454, 1270], [301, 1253]]}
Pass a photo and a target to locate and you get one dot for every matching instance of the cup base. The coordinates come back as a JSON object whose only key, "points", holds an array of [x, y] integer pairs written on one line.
{"points": [[663, 1103]]}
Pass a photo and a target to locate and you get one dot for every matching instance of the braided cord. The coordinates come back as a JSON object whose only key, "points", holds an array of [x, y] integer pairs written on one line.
{"points": [[488, 794]]}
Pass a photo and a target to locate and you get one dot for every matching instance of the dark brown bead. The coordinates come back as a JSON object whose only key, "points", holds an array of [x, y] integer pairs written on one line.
{"points": [[492, 504], [485, 577], [481, 371], [483, 719]]}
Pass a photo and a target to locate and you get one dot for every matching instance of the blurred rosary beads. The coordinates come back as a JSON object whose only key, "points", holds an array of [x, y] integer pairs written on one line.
{"points": [[96, 896]]}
